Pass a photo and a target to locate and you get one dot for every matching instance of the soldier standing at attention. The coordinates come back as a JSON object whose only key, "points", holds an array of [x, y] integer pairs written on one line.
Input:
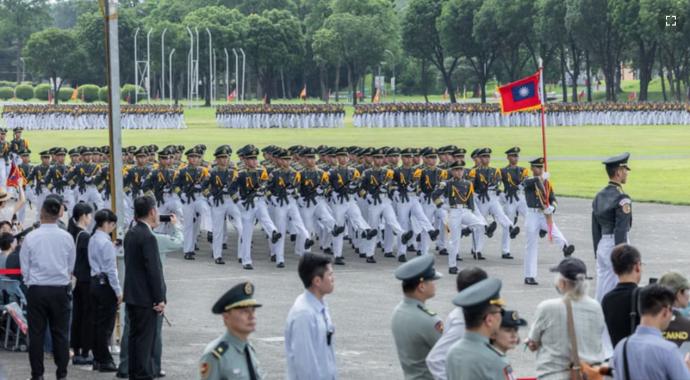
{"points": [[230, 356], [416, 328], [611, 221]]}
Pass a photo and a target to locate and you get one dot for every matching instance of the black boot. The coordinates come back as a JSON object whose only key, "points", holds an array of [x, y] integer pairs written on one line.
{"points": [[225, 245], [434, 234], [531, 281], [371, 233], [507, 256], [406, 237], [443, 252], [276, 236], [371, 260], [339, 261], [337, 230], [489, 230], [388, 254], [453, 270], [248, 266], [307, 243], [466, 232], [514, 231], [402, 258], [189, 256], [568, 250], [220, 261], [543, 233]]}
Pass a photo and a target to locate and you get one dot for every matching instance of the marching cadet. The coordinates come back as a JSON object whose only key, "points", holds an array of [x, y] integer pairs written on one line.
{"points": [[486, 181], [5, 149], [84, 177], [189, 187], [457, 193], [376, 182], [281, 195], [514, 203], [541, 205], [409, 211], [18, 144], [311, 186], [25, 169], [161, 183], [416, 328], [57, 179], [221, 191], [231, 356], [344, 182], [430, 175], [37, 181], [389, 239], [251, 184], [133, 181], [611, 221], [473, 357]]}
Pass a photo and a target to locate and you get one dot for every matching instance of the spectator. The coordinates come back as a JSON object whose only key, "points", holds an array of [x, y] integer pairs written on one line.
{"points": [[646, 355], [620, 314], [678, 330], [309, 342], [47, 260], [454, 328], [549, 333], [7, 245], [105, 290], [7, 211], [508, 337], [5, 226], [144, 292], [81, 339]]}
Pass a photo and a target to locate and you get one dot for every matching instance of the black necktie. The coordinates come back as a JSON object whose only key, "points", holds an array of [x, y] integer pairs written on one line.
{"points": [[250, 366]]}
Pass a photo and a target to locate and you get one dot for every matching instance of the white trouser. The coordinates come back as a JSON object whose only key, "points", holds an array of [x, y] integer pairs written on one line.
{"points": [[315, 215], [512, 209], [218, 214], [285, 214], [535, 221], [3, 173], [249, 215], [68, 198], [457, 218], [491, 207], [606, 277], [192, 209], [437, 216], [377, 212], [347, 211], [91, 196], [411, 217], [442, 226]]}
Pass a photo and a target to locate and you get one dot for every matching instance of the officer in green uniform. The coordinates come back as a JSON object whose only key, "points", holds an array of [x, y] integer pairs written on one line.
{"points": [[230, 356], [473, 357], [416, 328]]}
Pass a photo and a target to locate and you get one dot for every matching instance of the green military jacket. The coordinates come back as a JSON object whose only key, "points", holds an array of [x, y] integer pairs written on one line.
{"points": [[225, 359], [415, 330], [473, 358]]}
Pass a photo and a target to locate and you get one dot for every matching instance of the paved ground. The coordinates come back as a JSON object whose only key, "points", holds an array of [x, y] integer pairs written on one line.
{"points": [[366, 294]]}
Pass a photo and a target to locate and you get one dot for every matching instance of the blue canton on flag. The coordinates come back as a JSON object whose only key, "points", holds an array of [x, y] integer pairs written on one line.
{"points": [[523, 92]]}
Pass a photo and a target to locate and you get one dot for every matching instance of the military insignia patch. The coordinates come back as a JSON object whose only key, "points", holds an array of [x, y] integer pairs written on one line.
{"points": [[248, 289], [627, 208], [626, 205], [204, 370]]}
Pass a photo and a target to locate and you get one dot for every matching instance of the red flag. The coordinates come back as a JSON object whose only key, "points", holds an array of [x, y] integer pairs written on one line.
{"points": [[521, 95], [231, 97], [14, 176]]}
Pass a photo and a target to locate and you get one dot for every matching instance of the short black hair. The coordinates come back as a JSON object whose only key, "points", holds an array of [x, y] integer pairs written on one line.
{"points": [[409, 286], [6, 240], [51, 207], [612, 170], [654, 298], [474, 316], [81, 209], [104, 216], [624, 257], [469, 276], [312, 265], [143, 206]]}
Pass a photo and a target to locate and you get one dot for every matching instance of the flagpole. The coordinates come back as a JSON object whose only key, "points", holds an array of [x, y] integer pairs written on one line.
{"points": [[543, 118]]}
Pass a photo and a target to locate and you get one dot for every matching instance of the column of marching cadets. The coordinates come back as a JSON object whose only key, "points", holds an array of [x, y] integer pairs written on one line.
{"points": [[402, 202]]}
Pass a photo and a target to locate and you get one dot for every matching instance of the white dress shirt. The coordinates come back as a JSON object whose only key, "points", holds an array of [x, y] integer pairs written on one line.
{"points": [[102, 259], [47, 256], [454, 330]]}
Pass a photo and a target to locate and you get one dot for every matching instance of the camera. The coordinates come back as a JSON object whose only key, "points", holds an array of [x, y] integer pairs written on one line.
{"points": [[164, 218]]}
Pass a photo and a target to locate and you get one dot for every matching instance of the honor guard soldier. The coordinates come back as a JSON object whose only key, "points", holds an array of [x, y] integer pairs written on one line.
{"points": [[343, 183], [57, 179], [251, 185], [161, 183], [221, 191], [473, 357], [231, 356], [416, 328], [25, 169], [5, 149], [611, 221], [133, 181], [541, 205], [18, 144], [458, 194], [189, 185], [38, 181], [514, 202], [430, 175], [83, 177]]}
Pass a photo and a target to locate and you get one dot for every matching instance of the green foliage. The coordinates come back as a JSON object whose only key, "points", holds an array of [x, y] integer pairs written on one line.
{"points": [[6, 93], [24, 92], [41, 91], [128, 93], [6, 83], [65, 93], [103, 94], [88, 93]]}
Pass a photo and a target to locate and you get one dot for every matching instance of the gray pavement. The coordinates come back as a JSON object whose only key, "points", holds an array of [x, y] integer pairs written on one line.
{"points": [[365, 295]]}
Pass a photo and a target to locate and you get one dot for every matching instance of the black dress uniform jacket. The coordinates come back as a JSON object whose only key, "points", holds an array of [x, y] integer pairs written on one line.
{"points": [[611, 214]]}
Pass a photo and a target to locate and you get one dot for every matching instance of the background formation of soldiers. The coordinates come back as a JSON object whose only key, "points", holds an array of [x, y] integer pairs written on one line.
{"points": [[392, 115], [280, 116], [91, 116], [401, 201]]}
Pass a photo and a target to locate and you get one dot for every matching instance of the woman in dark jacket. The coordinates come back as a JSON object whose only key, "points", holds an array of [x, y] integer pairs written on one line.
{"points": [[81, 339]]}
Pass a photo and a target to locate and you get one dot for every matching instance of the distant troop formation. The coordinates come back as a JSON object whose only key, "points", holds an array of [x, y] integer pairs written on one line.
{"points": [[91, 116], [403, 201], [393, 115], [280, 116]]}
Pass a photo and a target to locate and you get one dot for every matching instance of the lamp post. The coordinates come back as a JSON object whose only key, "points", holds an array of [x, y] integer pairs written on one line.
{"points": [[244, 71], [237, 76], [163, 63], [170, 81]]}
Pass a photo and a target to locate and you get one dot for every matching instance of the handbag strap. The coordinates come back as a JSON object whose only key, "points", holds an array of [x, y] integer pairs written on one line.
{"points": [[625, 360], [574, 354]]}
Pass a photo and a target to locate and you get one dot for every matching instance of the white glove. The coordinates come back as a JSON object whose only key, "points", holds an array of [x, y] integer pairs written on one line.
{"points": [[549, 210], [545, 176]]}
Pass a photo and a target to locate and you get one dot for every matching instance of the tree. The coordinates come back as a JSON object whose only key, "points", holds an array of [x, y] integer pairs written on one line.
{"points": [[550, 32], [324, 45], [20, 18], [421, 39], [54, 54]]}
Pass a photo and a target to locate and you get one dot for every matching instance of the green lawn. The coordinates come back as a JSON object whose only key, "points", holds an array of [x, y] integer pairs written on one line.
{"points": [[660, 155]]}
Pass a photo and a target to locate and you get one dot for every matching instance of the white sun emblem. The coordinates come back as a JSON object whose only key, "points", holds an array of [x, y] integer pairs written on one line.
{"points": [[523, 91]]}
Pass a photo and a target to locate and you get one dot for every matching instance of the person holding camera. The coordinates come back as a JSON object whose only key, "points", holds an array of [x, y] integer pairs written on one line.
{"points": [[105, 290]]}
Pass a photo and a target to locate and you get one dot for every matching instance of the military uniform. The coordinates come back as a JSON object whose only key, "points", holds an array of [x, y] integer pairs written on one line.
{"points": [[611, 222], [189, 185], [57, 180], [5, 149], [37, 181], [24, 168], [415, 328], [513, 199], [18, 144], [133, 182], [83, 177], [429, 179], [161, 183], [229, 357]]}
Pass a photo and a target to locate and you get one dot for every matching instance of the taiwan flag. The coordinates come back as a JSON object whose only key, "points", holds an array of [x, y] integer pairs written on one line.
{"points": [[521, 95]]}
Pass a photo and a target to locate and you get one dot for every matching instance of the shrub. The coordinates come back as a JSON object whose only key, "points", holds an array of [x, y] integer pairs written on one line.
{"points": [[103, 94], [6, 93], [41, 91], [24, 92], [128, 93], [7, 83], [65, 93], [88, 93]]}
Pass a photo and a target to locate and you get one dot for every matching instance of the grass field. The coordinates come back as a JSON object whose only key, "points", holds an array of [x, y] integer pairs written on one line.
{"points": [[660, 154]]}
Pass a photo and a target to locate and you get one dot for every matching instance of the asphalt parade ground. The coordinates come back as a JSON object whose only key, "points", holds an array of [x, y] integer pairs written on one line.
{"points": [[365, 295]]}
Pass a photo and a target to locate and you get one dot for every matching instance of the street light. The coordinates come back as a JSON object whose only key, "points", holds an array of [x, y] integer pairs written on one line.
{"points": [[163, 64], [244, 71]]}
